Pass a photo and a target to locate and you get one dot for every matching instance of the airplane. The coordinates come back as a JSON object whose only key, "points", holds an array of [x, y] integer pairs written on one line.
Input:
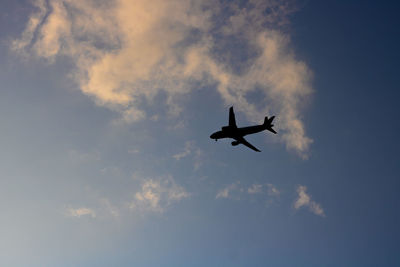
{"points": [[232, 131]]}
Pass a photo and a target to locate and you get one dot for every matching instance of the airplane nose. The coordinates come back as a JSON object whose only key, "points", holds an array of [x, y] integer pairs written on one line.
{"points": [[212, 136]]}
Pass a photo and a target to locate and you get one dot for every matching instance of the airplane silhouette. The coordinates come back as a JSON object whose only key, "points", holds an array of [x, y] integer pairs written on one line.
{"points": [[232, 131]]}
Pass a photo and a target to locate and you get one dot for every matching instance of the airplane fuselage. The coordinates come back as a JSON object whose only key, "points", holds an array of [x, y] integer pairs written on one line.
{"points": [[234, 132]]}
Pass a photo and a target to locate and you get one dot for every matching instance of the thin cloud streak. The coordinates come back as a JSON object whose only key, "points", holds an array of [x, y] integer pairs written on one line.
{"points": [[192, 150], [126, 51], [79, 212], [235, 191], [186, 152]]}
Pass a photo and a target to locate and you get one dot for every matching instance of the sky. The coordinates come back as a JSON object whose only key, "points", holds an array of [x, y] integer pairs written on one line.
{"points": [[107, 108]]}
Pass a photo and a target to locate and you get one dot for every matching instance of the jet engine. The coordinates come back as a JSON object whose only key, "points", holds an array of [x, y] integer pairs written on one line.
{"points": [[235, 143]]}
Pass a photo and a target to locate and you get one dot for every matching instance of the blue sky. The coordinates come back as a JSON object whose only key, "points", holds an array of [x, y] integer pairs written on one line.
{"points": [[107, 110]]}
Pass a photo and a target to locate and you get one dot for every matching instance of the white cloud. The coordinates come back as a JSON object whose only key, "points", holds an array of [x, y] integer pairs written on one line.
{"points": [[304, 200], [187, 151], [103, 209], [71, 212], [254, 189], [227, 191], [109, 208], [198, 159], [317, 209], [191, 149], [157, 195], [80, 156], [272, 191], [154, 195], [134, 151], [126, 50], [235, 188]]}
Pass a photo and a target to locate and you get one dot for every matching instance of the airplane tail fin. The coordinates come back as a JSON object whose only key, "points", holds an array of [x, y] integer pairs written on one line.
{"points": [[268, 121], [268, 124]]}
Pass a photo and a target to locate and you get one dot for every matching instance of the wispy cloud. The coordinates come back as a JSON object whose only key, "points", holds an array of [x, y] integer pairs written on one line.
{"points": [[236, 191], [192, 150], [304, 200], [254, 189], [154, 195], [186, 151], [125, 51], [157, 195], [31, 27], [272, 190], [79, 212], [109, 208], [80, 156], [227, 191]]}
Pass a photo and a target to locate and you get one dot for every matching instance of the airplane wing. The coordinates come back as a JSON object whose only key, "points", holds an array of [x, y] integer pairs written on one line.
{"points": [[244, 142], [232, 120]]}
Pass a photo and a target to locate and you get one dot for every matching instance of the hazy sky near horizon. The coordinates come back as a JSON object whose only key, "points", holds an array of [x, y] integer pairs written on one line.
{"points": [[107, 108]]}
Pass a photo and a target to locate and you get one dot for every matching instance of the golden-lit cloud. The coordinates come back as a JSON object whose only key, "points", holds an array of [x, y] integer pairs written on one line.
{"points": [[227, 191], [153, 195], [125, 51], [270, 189], [255, 189], [158, 194], [78, 212], [304, 200]]}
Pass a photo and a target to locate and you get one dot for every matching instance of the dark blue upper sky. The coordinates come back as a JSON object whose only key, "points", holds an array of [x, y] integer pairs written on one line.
{"points": [[352, 49]]}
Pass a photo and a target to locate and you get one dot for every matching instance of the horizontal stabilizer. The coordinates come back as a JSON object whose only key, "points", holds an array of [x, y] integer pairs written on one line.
{"points": [[271, 130]]}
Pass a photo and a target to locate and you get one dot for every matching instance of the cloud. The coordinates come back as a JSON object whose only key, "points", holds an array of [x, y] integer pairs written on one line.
{"points": [[157, 195], [127, 51], [272, 191], [269, 189], [71, 212], [304, 200], [191, 149], [32, 25], [255, 192], [227, 191], [103, 209], [254, 189], [187, 151], [79, 156], [108, 208]]}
